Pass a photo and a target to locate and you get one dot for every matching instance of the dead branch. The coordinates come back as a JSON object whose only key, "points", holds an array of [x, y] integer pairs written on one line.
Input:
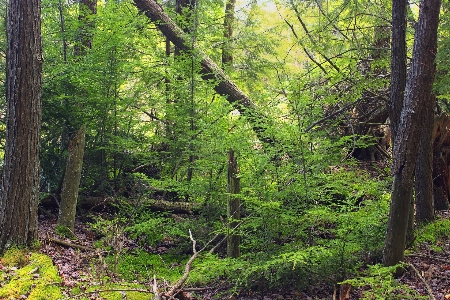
{"points": [[187, 268], [342, 110], [68, 244], [158, 296], [429, 290]]}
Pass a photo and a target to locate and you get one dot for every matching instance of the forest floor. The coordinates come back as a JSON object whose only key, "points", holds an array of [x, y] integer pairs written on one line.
{"points": [[428, 269]]}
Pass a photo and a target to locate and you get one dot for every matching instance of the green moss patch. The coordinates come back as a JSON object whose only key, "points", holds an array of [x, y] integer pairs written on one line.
{"points": [[38, 279]]}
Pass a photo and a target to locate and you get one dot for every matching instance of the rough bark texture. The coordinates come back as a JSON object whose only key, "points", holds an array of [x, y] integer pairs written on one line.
{"points": [[234, 205], [19, 194], [398, 64], [424, 169], [210, 71], [407, 140], [441, 162], [72, 176]]}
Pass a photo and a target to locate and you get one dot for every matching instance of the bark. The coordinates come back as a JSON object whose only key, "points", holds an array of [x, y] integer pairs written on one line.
{"points": [[441, 162], [74, 163], [398, 64], [227, 53], [210, 71], [19, 194], [234, 206], [417, 93], [424, 170], [72, 176]]}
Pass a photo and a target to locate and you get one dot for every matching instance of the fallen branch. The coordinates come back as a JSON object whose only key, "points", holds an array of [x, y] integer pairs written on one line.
{"points": [[68, 244], [429, 290]]}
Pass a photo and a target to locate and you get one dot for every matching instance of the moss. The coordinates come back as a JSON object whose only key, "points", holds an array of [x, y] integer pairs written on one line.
{"points": [[115, 291], [38, 279], [15, 257], [64, 231]]}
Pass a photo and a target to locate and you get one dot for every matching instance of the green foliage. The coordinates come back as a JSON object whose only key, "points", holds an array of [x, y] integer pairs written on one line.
{"points": [[113, 291], [63, 231], [154, 229], [378, 283], [433, 233], [142, 266]]}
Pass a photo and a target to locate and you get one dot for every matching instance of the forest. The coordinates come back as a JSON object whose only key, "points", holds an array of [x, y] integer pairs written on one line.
{"points": [[225, 149]]}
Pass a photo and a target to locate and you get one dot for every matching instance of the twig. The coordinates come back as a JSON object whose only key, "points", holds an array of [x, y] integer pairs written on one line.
{"points": [[331, 115], [68, 244], [155, 289], [430, 292]]}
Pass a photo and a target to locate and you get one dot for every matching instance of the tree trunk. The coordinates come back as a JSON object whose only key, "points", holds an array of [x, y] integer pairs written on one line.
{"points": [[210, 70], [424, 169], [398, 65], [227, 53], [441, 162], [417, 97], [74, 163], [72, 176], [234, 206], [19, 195]]}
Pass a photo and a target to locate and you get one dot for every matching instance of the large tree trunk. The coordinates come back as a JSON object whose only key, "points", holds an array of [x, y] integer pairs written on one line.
{"points": [[210, 70], [72, 176], [441, 162], [19, 196], [424, 169], [417, 97]]}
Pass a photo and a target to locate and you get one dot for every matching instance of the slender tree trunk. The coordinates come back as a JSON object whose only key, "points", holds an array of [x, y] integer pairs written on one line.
{"points": [[227, 53], [72, 173], [234, 206], [409, 132], [398, 65], [72, 176], [19, 196]]}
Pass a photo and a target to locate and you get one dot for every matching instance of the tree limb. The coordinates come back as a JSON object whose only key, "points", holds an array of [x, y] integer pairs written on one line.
{"points": [[429, 290], [210, 70]]}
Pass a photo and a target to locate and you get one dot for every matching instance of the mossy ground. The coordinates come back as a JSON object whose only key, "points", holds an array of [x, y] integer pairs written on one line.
{"points": [[30, 275], [33, 275]]}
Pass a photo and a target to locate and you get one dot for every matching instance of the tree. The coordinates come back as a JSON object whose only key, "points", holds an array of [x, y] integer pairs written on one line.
{"points": [[210, 70], [233, 206], [227, 53], [72, 173], [407, 138], [19, 195]]}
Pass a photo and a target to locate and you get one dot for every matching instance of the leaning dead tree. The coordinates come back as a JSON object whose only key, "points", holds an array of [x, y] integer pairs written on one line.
{"points": [[209, 69]]}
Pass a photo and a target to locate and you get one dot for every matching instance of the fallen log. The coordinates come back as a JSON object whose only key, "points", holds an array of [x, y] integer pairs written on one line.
{"points": [[210, 70]]}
